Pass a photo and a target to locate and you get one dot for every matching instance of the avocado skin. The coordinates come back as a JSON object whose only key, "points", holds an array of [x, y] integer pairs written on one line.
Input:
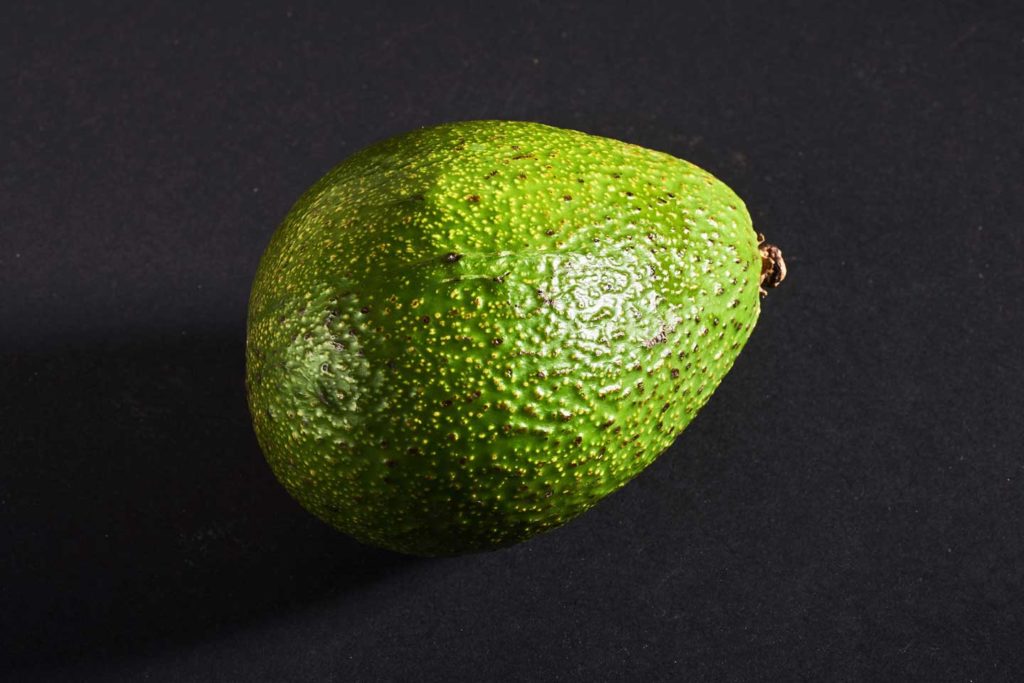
{"points": [[469, 334]]}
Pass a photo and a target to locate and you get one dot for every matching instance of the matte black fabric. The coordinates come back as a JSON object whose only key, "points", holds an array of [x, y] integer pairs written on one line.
{"points": [[849, 506]]}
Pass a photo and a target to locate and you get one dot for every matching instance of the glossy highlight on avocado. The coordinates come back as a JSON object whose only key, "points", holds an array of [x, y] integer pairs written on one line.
{"points": [[469, 334]]}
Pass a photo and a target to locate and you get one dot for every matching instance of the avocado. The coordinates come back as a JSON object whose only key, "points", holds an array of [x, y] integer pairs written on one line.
{"points": [[469, 334]]}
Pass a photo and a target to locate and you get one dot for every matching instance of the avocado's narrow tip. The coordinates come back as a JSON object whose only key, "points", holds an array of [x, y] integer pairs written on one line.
{"points": [[773, 267]]}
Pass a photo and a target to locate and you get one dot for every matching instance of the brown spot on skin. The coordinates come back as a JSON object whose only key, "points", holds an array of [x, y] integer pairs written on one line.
{"points": [[549, 233], [425, 320], [473, 198], [452, 257], [497, 341], [413, 450], [657, 339], [577, 441], [675, 373], [389, 463], [567, 198], [665, 407], [446, 403]]}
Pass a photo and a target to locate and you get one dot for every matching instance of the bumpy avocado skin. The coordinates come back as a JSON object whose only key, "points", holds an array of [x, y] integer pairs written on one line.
{"points": [[466, 335]]}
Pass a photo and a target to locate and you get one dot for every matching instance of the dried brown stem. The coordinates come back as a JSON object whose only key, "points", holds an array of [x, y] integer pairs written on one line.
{"points": [[773, 267]]}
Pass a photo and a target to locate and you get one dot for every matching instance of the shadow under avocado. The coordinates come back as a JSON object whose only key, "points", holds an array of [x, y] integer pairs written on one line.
{"points": [[138, 510]]}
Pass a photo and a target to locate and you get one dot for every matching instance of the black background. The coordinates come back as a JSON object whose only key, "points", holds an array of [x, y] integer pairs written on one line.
{"points": [[849, 505]]}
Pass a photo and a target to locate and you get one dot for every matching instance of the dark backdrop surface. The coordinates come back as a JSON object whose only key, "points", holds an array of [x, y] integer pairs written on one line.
{"points": [[849, 506]]}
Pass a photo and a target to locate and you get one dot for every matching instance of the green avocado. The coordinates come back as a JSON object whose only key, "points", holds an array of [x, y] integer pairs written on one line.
{"points": [[468, 334]]}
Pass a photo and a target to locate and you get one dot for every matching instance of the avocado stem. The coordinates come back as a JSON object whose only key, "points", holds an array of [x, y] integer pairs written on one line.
{"points": [[773, 267]]}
